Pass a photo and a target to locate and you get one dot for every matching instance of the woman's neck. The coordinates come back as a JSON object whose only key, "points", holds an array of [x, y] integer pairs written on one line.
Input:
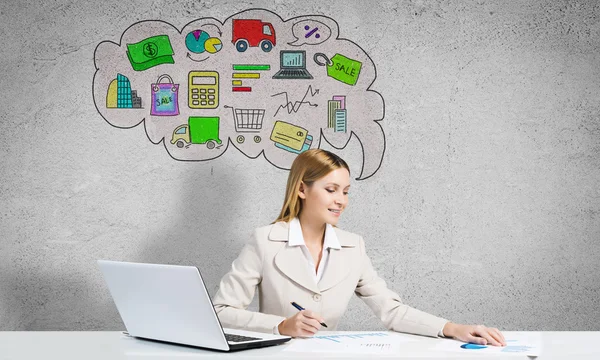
{"points": [[313, 232]]}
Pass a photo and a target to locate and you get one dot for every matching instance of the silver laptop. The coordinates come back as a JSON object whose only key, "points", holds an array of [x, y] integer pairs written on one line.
{"points": [[170, 303]]}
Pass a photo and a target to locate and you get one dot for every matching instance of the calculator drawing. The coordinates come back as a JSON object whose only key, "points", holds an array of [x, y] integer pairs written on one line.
{"points": [[203, 89]]}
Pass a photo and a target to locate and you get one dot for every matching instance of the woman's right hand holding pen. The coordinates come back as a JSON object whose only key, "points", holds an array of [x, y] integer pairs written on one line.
{"points": [[304, 324]]}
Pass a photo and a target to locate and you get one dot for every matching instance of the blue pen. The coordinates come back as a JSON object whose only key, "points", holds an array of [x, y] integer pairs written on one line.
{"points": [[300, 308]]}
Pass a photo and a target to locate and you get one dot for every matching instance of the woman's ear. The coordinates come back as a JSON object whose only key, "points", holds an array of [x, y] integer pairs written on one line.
{"points": [[301, 191]]}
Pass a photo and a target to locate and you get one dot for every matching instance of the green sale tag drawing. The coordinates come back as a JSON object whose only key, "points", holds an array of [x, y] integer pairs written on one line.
{"points": [[340, 68], [150, 52]]}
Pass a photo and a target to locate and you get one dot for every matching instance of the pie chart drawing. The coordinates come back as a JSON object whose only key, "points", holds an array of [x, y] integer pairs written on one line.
{"points": [[199, 41], [195, 40], [213, 44]]}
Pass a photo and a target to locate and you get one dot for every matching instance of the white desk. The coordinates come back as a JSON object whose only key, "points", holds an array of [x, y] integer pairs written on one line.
{"points": [[115, 345]]}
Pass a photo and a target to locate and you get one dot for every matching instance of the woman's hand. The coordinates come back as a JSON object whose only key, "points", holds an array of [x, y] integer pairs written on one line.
{"points": [[304, 324], [476, 334]]}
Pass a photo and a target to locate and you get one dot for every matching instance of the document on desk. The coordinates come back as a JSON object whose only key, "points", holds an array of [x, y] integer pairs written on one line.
{"points": [[355, 342], [518, 344]]}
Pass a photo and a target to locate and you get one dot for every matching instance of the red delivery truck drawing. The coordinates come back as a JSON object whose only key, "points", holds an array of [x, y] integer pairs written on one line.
{"points": [[253, 33]]}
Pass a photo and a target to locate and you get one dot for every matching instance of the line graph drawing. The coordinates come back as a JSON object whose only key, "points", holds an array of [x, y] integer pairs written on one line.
{"points": [[294, 107]]}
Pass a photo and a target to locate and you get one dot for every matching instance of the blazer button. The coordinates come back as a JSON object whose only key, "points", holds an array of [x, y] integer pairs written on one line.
{"points": [[317, 297]]}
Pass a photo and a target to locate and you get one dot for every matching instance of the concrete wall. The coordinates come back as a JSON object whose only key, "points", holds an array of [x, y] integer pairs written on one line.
{"points": [[486, 208]]}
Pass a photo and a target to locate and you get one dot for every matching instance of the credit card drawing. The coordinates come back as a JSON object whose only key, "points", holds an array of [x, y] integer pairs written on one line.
{"points": [[290, 137], [305, 147]]}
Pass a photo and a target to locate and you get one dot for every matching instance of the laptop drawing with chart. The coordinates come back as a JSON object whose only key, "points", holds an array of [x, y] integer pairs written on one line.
{"points": [[170, 303], [293, 65]]}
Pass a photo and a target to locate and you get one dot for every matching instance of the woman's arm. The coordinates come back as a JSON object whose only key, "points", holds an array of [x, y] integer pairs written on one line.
{"points": [[236, 292], [400, 317], [387, 305]]}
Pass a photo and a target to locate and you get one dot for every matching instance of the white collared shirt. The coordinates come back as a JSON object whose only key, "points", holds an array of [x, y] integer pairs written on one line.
{"points": [[331, 241]]}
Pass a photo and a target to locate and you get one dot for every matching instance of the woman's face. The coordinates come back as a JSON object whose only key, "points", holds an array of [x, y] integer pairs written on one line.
{"points": [[325, 200]]}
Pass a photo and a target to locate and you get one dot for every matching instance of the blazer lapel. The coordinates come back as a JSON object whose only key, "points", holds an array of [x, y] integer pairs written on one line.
{"points": [[338, 268], [339, 263], [290, 260]]}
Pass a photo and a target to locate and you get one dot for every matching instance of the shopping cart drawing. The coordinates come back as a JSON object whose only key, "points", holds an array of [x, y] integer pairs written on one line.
{"points": [[247, 121]]}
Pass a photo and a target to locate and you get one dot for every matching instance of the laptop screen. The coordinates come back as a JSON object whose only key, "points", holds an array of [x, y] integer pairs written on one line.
{"points": [[292, 59]]}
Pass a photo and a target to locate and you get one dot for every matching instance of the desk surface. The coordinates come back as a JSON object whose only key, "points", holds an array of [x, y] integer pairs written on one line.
{"points": [[114, 345]]}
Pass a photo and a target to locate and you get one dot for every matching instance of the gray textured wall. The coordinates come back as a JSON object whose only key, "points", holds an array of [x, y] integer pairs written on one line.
{"points": [[486, 207]]}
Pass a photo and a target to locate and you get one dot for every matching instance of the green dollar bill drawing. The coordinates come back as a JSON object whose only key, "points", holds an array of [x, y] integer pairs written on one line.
{"points": [[155, 50]]}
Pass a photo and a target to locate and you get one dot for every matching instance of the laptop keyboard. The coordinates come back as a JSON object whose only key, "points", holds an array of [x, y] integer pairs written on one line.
{"points": [[239, 338], [294, 73]]}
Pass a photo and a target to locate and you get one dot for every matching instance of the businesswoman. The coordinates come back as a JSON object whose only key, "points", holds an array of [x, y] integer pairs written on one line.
{"points": [[302, 257]]}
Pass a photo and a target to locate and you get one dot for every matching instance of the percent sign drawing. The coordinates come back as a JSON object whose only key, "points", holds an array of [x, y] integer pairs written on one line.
{"points": [[309, 34]]}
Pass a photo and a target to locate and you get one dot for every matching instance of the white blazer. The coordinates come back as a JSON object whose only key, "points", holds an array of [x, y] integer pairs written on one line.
{"points": [[280, 273]]}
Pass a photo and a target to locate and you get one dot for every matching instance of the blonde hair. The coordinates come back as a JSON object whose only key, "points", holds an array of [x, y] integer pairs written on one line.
{"points": [[307, 168]]}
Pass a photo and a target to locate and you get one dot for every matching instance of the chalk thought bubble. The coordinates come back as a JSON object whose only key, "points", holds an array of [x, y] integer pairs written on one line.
{"points": [[210, 85]]}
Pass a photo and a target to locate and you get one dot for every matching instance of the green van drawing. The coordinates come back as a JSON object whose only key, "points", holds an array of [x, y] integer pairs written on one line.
{"points": [[198, 130]]}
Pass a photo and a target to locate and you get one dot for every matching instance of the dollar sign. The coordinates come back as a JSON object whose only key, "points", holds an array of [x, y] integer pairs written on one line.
{"points": [[150, 50]]}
